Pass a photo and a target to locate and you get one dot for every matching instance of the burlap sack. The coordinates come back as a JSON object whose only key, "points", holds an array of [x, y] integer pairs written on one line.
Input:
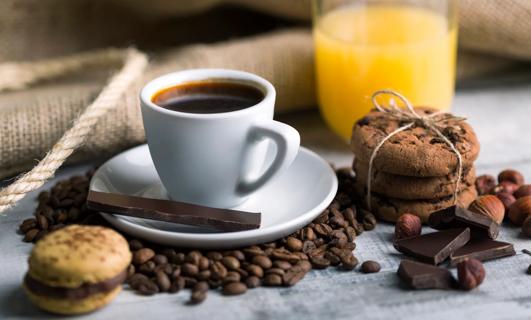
{"points": [[35, 118]]}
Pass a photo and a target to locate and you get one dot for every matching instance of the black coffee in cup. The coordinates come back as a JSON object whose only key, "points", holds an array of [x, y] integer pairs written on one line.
{"points": [[208, 97]]}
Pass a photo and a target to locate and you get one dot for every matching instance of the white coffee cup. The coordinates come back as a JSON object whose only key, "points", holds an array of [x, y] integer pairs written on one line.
{"points": [[215, 159]]}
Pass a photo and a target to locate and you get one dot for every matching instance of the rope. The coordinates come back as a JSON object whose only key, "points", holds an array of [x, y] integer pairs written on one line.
{"points": [[109, 98]]}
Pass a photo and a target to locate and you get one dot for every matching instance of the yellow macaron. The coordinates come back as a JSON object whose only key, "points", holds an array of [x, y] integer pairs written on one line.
{"points": [[77, 269]]}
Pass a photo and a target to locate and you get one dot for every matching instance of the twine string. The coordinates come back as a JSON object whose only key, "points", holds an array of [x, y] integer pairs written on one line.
{"points": [[433, 122], [134, 63]]}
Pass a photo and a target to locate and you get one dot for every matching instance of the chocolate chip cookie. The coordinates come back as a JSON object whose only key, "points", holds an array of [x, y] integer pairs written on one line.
{"points": [[389, 209], [416, 151], [405, 187]]}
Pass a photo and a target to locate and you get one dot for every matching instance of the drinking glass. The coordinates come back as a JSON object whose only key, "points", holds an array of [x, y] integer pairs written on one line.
{"points": [[362, 46]]}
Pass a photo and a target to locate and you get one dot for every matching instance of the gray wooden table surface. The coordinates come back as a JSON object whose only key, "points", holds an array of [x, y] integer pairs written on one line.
{"points": [[500, 111]]}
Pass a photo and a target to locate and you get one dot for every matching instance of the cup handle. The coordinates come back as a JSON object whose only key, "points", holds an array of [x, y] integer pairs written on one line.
{"points": [[287, 140]]}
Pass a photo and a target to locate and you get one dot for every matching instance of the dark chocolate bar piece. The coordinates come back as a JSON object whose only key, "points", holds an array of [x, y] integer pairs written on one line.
{"points": [[482, 249], [434, 247], [173, 211], [457, 217], [424, 276]]}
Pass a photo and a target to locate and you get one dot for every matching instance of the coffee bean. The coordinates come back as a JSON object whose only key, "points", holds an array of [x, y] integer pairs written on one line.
{"points": [[42, 221], [177, 285], [252, 282], [294, 244], [160, 259], [272, 280], [203, 275], [136, 279], [203, 263], [214, 284], [147, 268], [322, 218], [319, 262], [189, 282], [44, 196], [295, 274], [255, 270], [169, 253], [370, 266], [234, 288], [308, 246], [308, 234], [284, 265], [143, 255], [61, 216], [271, 245], [163, 281], [30, 235], [27, 225], [165, 267], [199, 293], [193, 257], [230, 262], [176, 272], [368, 220], [201, 286], [238, 254], [218, 271], [285, 255], [278, 271], [319, 242], [350, 216], [232, 276], [242, 273], [322, 229], [262, 261], [333, 258], [179, 258], [349, 262], [214, 255], [39, 235], [135, 245], [147, 288], [253, 251], [189, 269]]}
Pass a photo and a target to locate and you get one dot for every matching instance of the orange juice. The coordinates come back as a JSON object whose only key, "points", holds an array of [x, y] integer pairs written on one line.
{"points": [[363, 49]]}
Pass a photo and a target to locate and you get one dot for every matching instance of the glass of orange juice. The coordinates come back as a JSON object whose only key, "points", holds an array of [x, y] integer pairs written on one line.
{"points": [[361, 46]]}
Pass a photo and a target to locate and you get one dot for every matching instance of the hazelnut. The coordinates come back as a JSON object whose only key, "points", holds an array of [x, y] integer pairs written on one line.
{"points": [[505, 186], [526, 227], [520, 210], [506, 198], [485, 183], [523, 191], [470, 273], [408, 225], [490, 206], [511, 176]]}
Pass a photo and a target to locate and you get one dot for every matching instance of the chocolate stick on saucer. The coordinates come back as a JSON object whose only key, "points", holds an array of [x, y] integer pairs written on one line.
{"points": [[173, 211]]}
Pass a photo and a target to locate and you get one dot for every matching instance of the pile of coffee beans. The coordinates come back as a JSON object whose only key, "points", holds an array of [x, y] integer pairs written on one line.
{"points": [[327, 241]]}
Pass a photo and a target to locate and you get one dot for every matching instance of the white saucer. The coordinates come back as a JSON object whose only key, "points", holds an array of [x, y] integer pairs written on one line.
{"points": [[287, 203]]}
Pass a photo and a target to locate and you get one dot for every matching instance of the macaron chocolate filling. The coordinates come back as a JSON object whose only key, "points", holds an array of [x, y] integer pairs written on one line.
{"points": [[81, 292]]}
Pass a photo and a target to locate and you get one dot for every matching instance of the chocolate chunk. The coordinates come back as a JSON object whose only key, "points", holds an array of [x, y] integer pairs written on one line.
{"points": [[173, 211], [457, 217], [482, 249], [85, 290], [424, 276], [434, 247]]}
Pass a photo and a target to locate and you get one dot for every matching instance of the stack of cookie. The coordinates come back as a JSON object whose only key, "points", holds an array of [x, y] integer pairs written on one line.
{"points": [[415, 170]]}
